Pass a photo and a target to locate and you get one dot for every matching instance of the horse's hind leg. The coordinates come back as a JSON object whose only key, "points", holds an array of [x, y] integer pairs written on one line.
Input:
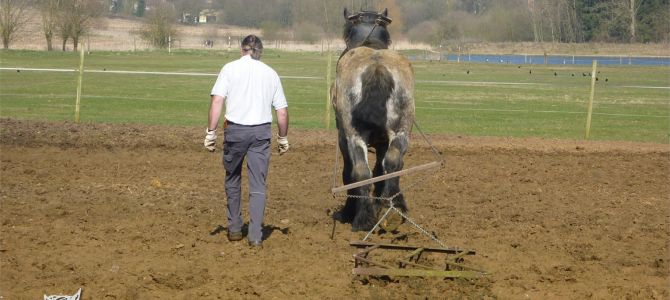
{"points": [[358, 208], [393, 161], [366, 209], [380, 151], [349, 210]]}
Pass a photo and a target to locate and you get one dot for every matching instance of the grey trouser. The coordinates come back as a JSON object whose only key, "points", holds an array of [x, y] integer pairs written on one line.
{"points": [[254, 143]]}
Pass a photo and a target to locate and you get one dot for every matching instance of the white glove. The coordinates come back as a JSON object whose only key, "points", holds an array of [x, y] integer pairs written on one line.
{"points": [[210, 140], [282, 142]]}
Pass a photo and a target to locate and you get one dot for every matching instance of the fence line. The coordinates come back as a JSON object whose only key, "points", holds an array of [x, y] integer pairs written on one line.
{"points": [[321, 78], [547, 59], [452, 82], [318, 104]]}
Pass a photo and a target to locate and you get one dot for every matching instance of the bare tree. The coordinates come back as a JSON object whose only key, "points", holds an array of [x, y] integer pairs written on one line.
{"points": [[573, 24], [79, 15], [554, 20], [12, 18], [159, 28], [631, 9], [64, 28], [75, 18], [49, 12], [536, 9]]}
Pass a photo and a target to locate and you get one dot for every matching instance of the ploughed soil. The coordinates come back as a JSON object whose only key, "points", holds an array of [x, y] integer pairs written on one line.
{"points": [[138, 212]]}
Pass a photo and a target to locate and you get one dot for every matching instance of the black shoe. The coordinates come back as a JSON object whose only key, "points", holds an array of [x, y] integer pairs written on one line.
{"points": [[235, 236], [256, 244]]}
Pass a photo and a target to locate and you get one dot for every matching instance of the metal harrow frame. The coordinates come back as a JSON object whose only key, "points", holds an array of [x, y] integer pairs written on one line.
{"points": [[410, 264]]}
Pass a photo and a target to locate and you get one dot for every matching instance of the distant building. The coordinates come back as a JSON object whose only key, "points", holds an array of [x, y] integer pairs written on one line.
{"points": [[207, 16], [187, 18]]}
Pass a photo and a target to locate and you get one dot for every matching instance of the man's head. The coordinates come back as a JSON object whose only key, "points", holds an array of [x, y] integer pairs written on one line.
{"points": [[252, 45]]}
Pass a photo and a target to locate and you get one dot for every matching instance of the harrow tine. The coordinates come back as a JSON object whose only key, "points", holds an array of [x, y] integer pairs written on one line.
{"points": [[417, 265], [416, 253]]}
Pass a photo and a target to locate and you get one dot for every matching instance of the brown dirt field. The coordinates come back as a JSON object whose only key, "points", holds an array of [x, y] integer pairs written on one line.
{"points": [[138, 212]]}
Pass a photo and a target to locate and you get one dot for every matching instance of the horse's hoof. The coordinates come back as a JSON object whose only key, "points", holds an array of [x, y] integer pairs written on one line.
{"points": [[359, 228], [392, 222], [342, 217]]}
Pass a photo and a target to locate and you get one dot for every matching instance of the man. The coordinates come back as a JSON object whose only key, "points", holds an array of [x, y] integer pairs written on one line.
{"points": [[249, 88]]}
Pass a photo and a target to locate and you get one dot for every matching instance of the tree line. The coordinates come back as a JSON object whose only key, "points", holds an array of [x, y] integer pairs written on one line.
{"points": [[436, 22], [68, 20], [441, 21]]}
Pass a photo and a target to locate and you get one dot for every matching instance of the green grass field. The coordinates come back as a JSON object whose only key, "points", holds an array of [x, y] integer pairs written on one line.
{"points": [[489, 100]]}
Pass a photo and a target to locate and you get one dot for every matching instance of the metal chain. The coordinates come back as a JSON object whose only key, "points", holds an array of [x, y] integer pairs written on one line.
{"points": [[368, 197], [392, 207], [360, 197], [431, 236]]}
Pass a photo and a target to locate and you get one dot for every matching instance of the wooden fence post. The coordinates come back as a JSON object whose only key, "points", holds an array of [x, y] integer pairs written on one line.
{"points": [[593, 91], [328, 95], [79, 81]]}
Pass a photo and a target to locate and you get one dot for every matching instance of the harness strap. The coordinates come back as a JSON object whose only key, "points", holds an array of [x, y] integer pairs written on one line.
{"points": [[369, 34]]}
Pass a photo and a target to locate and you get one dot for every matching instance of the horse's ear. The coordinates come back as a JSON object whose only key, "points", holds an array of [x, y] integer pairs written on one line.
{"points": [[384, 17], [346, 14]]}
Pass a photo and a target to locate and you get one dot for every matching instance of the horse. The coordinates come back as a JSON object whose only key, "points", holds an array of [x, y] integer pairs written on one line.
{"points": [[373, 100]]}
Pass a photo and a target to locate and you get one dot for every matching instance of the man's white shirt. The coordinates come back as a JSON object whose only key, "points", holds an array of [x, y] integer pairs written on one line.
{"points": [[250, 89]]}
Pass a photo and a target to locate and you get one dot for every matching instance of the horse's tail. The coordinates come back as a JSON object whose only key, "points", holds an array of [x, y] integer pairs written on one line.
{"points": [[376, 88]]}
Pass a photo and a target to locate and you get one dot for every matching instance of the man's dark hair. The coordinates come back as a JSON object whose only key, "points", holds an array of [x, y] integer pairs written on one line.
{"points": [[253, 43]]}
